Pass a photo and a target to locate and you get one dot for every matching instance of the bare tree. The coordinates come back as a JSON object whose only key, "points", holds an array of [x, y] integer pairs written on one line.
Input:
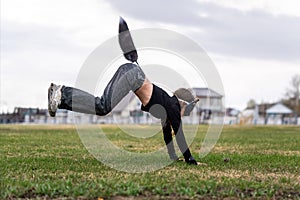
{"points": [[251, 104], [293, 94]]}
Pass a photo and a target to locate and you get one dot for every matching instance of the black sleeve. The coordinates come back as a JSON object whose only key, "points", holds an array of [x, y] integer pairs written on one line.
{"points": [[173, 113], [167, 108], [167, 131]]}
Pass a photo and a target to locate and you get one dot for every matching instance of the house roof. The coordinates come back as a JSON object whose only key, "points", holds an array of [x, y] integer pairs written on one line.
{"points": [[206, 92], [279, 109]]}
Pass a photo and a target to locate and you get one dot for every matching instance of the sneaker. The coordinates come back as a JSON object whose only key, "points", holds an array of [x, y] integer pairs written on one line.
{"points": [[54, 98]]}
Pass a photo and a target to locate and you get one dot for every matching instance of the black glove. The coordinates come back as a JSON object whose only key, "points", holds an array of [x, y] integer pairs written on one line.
{"points": [[191, 161]]}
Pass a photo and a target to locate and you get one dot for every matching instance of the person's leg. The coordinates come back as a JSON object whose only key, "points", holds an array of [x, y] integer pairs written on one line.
{"points": [[167, 131], [128, 77]]}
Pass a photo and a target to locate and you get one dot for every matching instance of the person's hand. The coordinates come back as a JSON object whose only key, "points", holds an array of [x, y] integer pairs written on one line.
{"points": [[191, 161]]}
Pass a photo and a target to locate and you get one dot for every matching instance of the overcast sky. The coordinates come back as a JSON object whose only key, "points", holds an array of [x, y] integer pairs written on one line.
{"points": [[255, 45]]}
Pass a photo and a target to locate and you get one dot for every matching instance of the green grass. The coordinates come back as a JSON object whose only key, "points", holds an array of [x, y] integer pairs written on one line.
{"points": [[51, 162]]}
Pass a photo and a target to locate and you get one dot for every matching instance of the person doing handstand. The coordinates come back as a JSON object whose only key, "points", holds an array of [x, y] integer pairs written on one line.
{"points": [[129, 77]]}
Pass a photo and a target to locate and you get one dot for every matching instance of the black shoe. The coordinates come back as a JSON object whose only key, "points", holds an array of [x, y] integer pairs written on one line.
{"points": [[191, 161]]}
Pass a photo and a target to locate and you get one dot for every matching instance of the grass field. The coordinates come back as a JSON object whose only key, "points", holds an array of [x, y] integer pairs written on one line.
{"points": [[51, 162]]}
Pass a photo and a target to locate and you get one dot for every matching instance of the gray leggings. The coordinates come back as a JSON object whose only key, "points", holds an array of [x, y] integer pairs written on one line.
{"points": [[128, 77]]}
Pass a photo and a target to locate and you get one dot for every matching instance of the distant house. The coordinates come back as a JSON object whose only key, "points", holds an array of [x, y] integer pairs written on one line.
{"points": [[278, 114], [232, 116], [128, 111], [211, 103], [267, 113], [24, 115]]}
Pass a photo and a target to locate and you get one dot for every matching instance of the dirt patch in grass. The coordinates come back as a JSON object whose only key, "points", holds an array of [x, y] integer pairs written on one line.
{"points": [[282, 152], [250, 148], [278, 178], [249, 193]]}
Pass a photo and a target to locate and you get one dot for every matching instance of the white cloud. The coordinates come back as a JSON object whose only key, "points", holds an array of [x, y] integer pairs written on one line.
{"points": [[224, 29], [276, 7], [245, 79], [81, 22], [44, 41]]}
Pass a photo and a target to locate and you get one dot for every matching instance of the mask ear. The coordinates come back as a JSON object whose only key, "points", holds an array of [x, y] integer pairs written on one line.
{"points": [[126, 42], [184, 94]]}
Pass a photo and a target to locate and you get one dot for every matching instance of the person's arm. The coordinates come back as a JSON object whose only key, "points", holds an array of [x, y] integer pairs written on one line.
{"points": [[162, 106], [167, 131], [174, 117]]}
